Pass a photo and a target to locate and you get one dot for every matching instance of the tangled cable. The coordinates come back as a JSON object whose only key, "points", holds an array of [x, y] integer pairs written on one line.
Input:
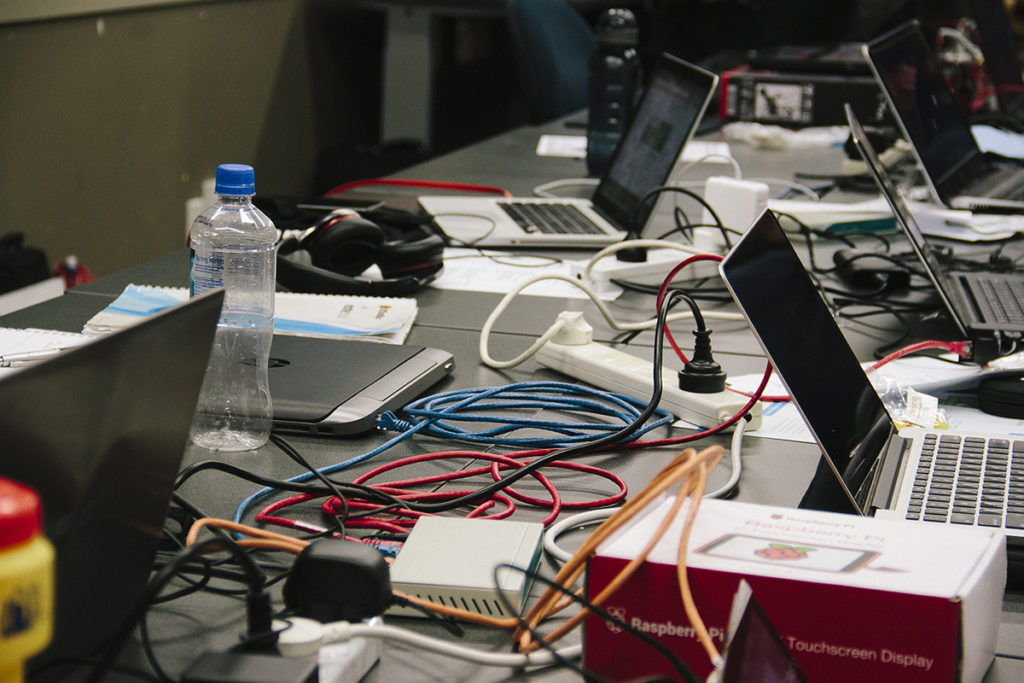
{"points": [[439, 415]]}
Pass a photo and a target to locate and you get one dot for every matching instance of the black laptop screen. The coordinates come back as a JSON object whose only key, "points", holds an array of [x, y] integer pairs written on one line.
{"points": [[922, 101], [672, 106], [810, 353]]}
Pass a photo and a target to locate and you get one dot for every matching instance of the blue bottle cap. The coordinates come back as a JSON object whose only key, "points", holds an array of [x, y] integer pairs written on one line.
{"points": [[235, 179]]}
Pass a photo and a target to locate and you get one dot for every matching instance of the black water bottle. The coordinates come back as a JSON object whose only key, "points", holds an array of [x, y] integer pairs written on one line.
{"points": [[614, 79]]}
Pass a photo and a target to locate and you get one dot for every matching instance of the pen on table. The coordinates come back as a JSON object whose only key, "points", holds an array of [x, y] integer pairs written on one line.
{"points": [[9, 360]]}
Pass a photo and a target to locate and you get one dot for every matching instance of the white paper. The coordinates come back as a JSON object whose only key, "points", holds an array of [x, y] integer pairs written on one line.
{"points": [[383, 319]]}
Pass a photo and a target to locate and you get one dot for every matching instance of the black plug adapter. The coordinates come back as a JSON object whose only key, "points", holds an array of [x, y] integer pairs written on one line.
{"points": [[866, 271], [702, 374], [335, 580]]}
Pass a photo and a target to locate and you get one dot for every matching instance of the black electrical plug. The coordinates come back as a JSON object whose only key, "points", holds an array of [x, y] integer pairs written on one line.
{"points": [[702, 375], [335, 580]]}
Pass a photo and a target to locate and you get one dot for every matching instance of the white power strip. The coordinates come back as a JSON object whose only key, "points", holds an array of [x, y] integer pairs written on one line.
{"points": [[652, 271], [618, 371]]}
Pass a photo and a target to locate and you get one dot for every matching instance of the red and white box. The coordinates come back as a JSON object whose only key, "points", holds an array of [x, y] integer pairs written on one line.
{"points": [[853, 598]]}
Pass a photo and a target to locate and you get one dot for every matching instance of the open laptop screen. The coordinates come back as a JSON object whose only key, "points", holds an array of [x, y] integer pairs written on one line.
{"points": [[673, 104], [904, 218], [916, 89], [807, 348]]}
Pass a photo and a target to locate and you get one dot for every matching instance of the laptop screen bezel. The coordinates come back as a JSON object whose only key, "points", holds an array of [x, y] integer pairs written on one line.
{"points": [[619, 207], [941, 178], [807, 349], [904, 218]]}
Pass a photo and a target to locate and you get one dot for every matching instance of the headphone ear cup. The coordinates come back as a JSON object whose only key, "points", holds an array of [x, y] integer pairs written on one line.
{"points": [[347, 246], [422, 257]]}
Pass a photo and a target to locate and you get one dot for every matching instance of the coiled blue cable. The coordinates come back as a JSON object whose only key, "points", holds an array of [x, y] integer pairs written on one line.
{"points": [[442, 414], [435, 415]]}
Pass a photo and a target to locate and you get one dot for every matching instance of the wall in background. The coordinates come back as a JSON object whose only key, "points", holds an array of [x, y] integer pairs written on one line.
{"points": [[108, 123]]}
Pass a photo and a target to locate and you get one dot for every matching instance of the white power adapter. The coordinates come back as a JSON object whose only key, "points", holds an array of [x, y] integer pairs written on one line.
{"points": [[574, 354], [738, 203]]}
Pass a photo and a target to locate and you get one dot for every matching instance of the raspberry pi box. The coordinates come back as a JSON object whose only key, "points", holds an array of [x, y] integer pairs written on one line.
{"points": [[853, 598]]}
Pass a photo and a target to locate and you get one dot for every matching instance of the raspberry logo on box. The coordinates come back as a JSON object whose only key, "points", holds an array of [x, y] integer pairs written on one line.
{"points": [[782, 551]]}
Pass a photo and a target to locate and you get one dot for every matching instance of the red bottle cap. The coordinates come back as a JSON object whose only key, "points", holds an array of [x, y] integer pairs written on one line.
{"points": [[20, 513]]}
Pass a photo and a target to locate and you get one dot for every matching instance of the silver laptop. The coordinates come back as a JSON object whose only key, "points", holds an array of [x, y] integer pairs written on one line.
{"points": [[957, 172], [986, 307], [675, 100], [943, 477], [338, 387]]}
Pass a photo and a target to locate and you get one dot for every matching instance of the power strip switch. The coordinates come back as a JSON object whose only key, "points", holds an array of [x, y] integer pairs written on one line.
{"points": [[620, 372]]}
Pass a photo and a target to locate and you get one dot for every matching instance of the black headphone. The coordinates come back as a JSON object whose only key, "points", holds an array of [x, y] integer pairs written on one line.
{"points": [[327, 259]]}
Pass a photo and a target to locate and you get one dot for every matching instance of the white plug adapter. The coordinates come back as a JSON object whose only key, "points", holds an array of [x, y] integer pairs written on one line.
{"points": [[618, 371], [738, 203]]}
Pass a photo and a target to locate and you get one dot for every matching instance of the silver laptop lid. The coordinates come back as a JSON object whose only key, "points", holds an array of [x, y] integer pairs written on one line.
{"points": [[911, 78], [666, 118], [905, 219]]}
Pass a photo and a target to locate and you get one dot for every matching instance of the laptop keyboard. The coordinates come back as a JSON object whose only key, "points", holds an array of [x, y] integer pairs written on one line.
{"points": [[1003, 299], [550, 218], [999, 182], [969, 480]]}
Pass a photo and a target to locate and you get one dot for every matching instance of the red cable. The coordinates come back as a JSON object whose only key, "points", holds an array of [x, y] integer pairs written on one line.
{"points": [[555, 503], [960, 348], [510, 460], [410, 182], [664, 288], [265, 514]]}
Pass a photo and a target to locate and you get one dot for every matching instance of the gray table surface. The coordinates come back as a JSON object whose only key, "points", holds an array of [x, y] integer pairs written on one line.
{"points": [[775, 472]]}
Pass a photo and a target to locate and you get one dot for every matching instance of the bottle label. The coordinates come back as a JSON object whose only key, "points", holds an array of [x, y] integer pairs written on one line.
{"points": [[207, 272]]}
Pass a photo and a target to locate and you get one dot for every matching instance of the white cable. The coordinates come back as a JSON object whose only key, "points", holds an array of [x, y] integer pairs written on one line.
{"points": [[302, 637], [630, 244], [957, 36], [485, 334], [544, 189], [735, 461], [792, 184], [485, 331], [560, 527], [590, 516], [736, 172]]}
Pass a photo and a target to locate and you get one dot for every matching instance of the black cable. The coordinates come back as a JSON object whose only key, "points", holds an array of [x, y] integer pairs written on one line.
{"points": [[723, 228], [578, 449], [681, 668], [367, 492], [719, 295], [297, 457], [447, 623], [258, 602], [636, 229]]}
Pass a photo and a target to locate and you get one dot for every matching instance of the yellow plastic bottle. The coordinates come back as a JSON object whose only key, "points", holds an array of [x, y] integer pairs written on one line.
{"points": [[26, 580]]}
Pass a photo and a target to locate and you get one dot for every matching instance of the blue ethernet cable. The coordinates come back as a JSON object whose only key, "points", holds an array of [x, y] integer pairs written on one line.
{"points": [[432, 415]]}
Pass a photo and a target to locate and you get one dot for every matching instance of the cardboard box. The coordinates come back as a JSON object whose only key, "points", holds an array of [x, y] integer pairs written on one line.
{"points": [[854, 598]]}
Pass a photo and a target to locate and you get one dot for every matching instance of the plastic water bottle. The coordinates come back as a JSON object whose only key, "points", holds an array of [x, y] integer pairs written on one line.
{"points": [[614, 79], [232, 246]]}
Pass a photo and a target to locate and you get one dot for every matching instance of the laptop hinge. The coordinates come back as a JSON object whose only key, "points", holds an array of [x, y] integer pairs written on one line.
{"points": [[889, 469]]}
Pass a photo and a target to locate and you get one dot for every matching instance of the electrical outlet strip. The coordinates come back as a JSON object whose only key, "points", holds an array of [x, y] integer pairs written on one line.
{"points": [[618, 371], [652, 271]]}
